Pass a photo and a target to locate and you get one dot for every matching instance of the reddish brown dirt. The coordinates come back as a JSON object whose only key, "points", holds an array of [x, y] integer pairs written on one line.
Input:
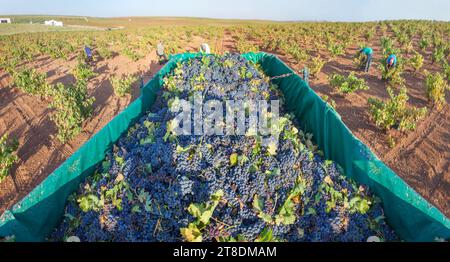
{"points": [[421, 157]]}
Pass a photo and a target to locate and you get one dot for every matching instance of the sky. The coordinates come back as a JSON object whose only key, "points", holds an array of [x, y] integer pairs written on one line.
{"points": [[282, 10]]}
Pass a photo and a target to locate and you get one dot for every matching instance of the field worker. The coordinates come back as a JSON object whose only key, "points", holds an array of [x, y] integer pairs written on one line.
{"points": [[204, 48], [367, 52], [88, 52], [160, 53], [141, 81], [391, 61]]}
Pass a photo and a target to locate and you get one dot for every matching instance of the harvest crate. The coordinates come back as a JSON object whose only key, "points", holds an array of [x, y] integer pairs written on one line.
{"points": [[412, 217]]}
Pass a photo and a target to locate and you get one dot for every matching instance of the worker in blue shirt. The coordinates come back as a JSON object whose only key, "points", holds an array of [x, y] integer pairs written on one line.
{"points": [[88, 52], [367, 52], [391, 61]]}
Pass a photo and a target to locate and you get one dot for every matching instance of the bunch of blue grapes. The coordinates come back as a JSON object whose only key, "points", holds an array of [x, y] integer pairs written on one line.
{"points": [[143, 188]]}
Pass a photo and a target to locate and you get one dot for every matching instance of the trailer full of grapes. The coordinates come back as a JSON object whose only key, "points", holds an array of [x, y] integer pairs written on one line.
{"points": [[139, 180]]}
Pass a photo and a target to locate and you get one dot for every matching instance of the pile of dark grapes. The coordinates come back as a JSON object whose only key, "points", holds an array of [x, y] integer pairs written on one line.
{"points": [[155, 185]]}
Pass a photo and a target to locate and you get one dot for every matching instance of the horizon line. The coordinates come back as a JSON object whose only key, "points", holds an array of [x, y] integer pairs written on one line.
{"points": [[231, 19]]}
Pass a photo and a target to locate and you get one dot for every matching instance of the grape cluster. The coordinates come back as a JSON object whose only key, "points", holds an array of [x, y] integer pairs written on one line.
{"points": [[142, 190]]}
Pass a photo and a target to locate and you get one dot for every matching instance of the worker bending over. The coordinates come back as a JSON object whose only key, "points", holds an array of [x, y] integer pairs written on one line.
{"points": [[391, 61], [367, 52]]}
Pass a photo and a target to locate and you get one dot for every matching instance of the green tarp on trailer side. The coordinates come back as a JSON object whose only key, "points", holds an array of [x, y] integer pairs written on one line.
{"points": [[412, 217]]}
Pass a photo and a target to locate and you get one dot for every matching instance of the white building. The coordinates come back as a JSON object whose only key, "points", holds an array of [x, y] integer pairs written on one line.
{"points": [[5, 20], [53, 23]]}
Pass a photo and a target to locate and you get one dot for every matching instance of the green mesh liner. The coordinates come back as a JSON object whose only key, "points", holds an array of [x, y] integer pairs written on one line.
{"points": [[411, 216]]}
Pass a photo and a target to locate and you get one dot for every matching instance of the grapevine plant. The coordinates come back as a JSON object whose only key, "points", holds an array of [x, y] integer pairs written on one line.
{"points": [[435, 88], [83, 72], [316, 66], [32, 82], [348, 84], [122, 86], [72, 106], [393, 76], [7, 155], [416, 61], [395, 113]]}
